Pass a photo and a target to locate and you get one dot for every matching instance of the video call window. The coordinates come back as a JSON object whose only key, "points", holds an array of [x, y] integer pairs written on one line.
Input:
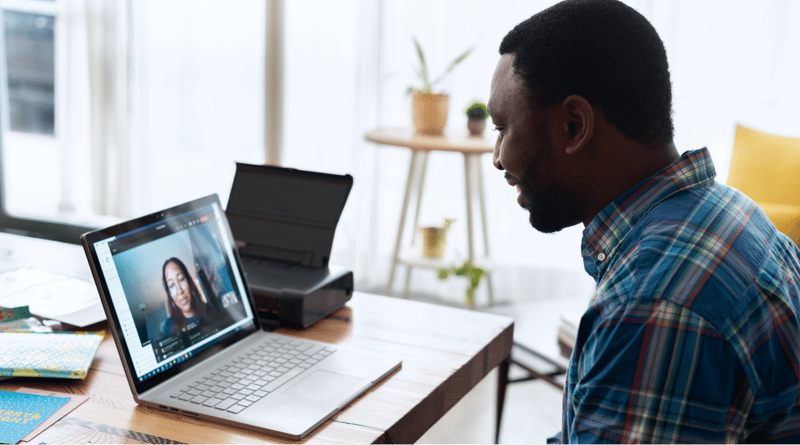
{"points": [[179, 288]]}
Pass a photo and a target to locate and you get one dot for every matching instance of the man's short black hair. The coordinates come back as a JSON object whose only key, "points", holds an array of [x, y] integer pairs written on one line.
{"points": [[604, 51]]}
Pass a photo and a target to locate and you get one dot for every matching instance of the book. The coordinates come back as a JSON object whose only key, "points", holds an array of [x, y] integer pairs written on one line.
{"points": [[52, 354], [11, 314], [19, 319], [73, 401], [21, 413]]}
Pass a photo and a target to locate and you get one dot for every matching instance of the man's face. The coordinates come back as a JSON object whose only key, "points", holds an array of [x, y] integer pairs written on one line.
{"points": [[525, 151]]}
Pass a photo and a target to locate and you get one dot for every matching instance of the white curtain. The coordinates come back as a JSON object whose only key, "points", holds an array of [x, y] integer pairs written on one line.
{"points": [[107, 49], [197, 97], [349, 63]]}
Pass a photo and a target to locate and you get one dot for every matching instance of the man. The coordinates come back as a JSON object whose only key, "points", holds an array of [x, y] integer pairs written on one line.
{"points": [[692, 334]]}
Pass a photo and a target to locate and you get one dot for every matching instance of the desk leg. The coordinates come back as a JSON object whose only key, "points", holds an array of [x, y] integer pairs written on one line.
{"points": [[413, 181], [502, 383]]}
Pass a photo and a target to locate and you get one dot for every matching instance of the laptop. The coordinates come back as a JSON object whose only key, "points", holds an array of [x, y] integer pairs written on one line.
{"points": [[188, 333]]}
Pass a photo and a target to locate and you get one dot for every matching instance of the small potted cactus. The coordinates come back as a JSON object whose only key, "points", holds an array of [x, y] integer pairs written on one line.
{"points": [[476, 118]]}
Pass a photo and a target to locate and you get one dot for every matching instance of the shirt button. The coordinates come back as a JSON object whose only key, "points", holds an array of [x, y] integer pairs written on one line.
{"points": [[601, 256]]}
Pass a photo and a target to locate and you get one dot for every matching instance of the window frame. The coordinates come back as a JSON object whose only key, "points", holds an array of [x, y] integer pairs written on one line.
{"points": [[39, 228], [57, 231]]}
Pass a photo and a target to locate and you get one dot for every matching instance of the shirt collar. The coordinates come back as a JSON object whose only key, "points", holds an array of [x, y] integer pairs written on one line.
{"points": [[604, 234]]}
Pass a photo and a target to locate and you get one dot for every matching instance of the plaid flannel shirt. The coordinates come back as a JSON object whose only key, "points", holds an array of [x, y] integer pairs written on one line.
{"points": [[693, 333]]}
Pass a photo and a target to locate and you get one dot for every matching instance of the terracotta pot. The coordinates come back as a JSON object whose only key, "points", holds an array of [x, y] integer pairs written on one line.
{"points": [[433, 241], [429, 112], [476, 126]]}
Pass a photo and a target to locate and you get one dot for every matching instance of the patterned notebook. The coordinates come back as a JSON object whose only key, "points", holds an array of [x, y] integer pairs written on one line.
{"points": [[55, 354], [21, 413]]}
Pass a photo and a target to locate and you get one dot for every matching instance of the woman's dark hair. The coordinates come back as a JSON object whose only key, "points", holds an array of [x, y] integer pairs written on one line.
{"points": [[604, 51], [178, 319]]}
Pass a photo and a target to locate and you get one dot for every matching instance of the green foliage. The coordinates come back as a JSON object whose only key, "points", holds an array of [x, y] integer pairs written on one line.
{"points": [[427, 83], [447, 223], [477, 111], [472, 272]]}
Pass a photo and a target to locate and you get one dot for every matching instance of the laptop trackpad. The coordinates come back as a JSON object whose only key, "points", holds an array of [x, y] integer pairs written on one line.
{"points": [[322, 386]]}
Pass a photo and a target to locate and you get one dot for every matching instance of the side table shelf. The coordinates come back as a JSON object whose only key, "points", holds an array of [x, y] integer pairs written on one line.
{"points": [[412, 260], [472, 148]]}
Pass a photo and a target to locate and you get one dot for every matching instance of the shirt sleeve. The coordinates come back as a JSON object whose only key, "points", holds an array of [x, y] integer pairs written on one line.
{"points": [[655, 372]]}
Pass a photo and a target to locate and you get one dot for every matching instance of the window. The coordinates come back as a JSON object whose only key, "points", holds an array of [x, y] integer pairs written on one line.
{"points": [[31, 78], [30, 61], [117, 108]]}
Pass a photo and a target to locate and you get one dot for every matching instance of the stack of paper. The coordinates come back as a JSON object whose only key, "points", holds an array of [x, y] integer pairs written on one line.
{"points": [[51, 295]]}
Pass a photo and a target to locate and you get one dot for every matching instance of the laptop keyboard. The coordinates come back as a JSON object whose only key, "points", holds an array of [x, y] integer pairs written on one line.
{"points": [[254, 374]]}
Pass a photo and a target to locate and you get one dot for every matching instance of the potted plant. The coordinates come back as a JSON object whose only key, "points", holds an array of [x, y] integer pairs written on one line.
{"points": [[429, 109], [476, 118], [472, 272], [433, 239]]}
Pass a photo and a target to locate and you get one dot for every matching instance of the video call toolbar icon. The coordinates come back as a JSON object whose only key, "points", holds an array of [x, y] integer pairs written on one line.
{"points": [[194, 222]]}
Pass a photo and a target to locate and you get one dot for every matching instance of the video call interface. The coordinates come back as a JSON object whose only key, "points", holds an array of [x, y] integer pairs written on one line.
{"points": [[180, 287]]}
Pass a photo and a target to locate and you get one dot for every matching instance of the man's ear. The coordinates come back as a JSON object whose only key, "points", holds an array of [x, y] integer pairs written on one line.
{"points": [[579, 123]]}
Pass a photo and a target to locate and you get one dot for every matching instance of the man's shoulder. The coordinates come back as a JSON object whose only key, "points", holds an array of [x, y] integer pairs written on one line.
{"points": [[704, 227], [710, 249]]}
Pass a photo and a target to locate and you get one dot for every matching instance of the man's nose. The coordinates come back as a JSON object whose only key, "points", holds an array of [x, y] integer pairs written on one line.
{"points": [[496, 157]]}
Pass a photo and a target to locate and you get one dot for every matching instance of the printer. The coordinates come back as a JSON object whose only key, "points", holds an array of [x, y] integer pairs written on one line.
{"points": [[283, 221]]}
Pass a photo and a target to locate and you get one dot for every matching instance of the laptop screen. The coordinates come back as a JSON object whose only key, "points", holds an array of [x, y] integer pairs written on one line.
{"points": [[175, 286]]}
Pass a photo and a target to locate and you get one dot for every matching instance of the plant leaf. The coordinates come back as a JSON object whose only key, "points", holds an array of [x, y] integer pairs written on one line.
{"points": [[453, 64], [423, 67]]}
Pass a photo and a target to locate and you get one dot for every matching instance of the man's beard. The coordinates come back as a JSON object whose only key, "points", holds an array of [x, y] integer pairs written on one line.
{"points": [[551, 207], [544, 209]]}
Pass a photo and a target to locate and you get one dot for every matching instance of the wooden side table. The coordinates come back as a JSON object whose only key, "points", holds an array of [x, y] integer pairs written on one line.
{"points": [[472, 148]]}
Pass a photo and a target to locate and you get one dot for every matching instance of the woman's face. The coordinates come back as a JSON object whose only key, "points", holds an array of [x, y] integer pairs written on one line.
{"points": [[178, 285]]}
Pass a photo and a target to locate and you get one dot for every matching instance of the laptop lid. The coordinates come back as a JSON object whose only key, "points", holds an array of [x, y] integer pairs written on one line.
{"points": [[173, 289]]}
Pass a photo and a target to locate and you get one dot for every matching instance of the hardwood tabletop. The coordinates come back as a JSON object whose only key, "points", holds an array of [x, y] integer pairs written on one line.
{"points": [[445, 353], [456, 141]]}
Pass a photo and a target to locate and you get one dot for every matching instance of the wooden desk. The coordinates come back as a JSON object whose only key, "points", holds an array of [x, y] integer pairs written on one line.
{"points": [[472, 148], [445, 353]]}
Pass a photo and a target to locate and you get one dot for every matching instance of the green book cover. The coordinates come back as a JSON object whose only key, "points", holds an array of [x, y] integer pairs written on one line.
{"points": [[53, 354]]}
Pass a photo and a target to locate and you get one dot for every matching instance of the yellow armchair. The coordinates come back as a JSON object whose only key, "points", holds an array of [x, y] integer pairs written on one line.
{"points": [[766, 168]]}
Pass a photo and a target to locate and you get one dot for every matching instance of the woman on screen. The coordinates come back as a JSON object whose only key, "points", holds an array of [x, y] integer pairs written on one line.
{"points": [[185, 305]]}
